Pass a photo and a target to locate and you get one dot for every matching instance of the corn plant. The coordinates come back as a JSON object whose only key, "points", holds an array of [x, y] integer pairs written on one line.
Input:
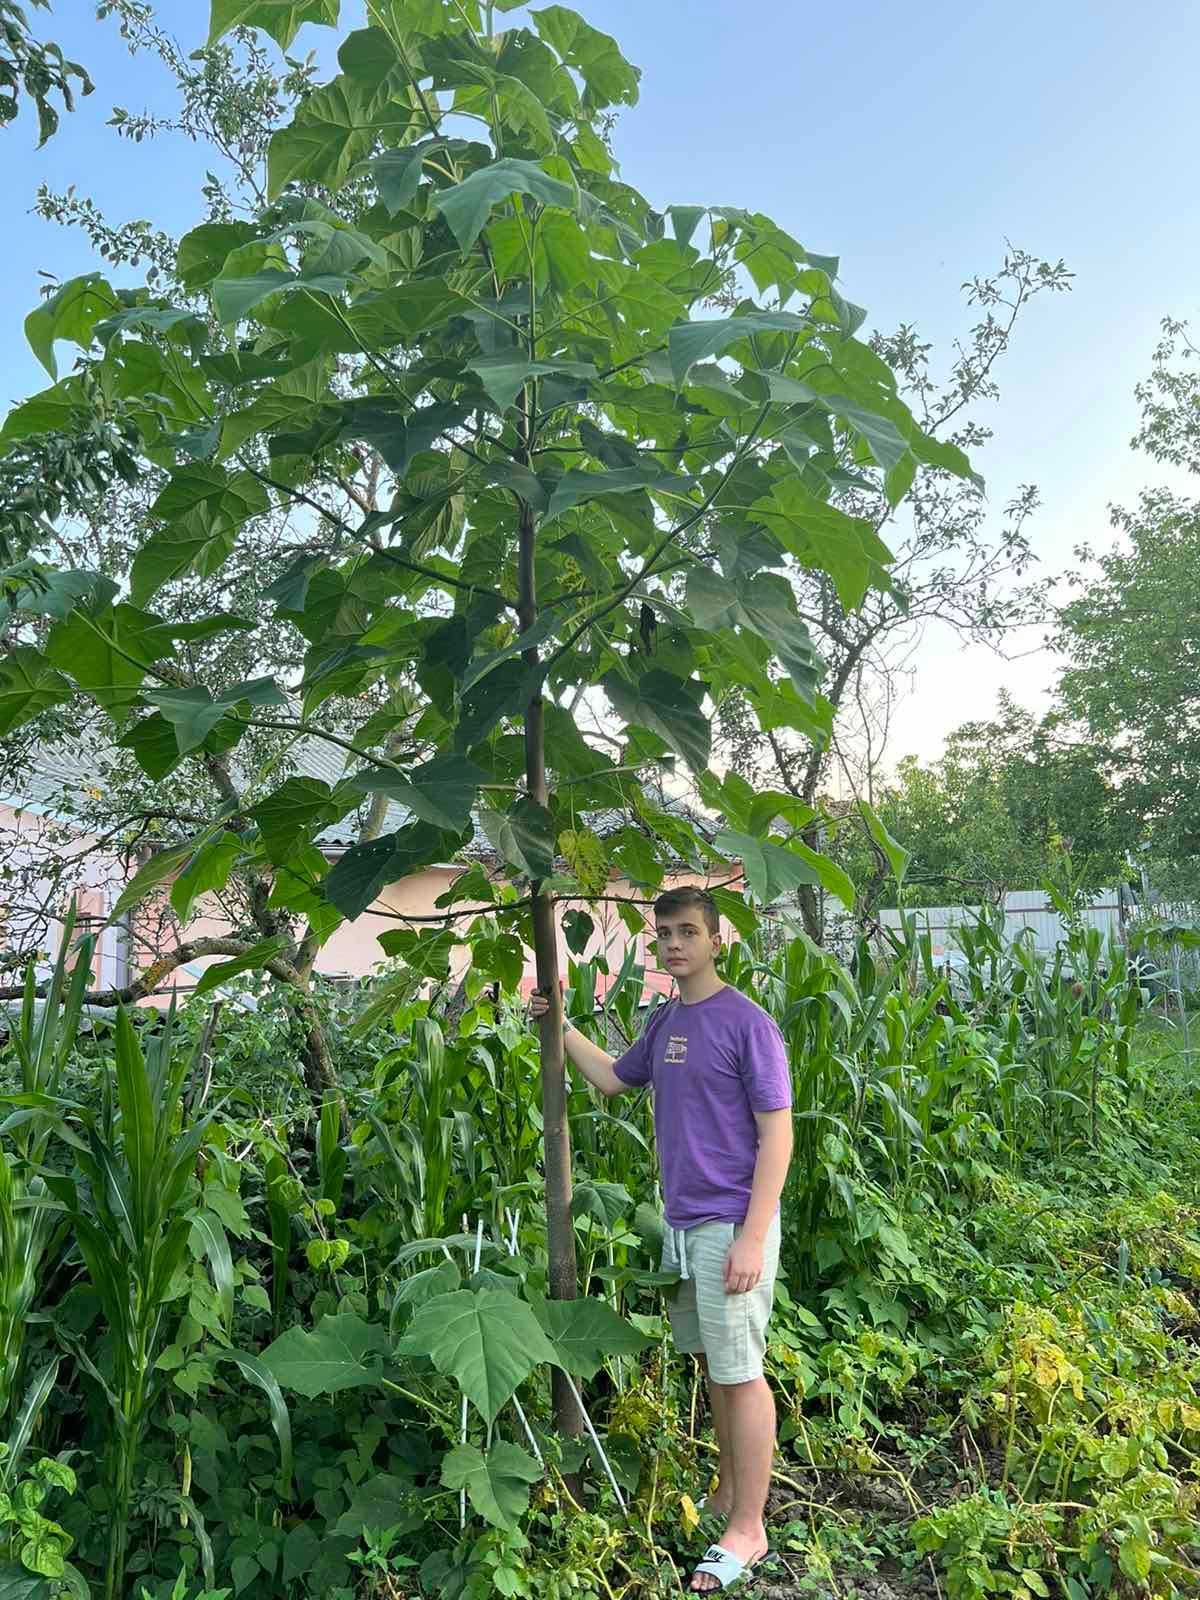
{"points": [[30, 1232], [130, 1207], [419, 1155]]}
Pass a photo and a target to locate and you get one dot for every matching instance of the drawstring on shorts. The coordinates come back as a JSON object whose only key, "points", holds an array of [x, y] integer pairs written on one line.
{"points": [[679, 1239]]}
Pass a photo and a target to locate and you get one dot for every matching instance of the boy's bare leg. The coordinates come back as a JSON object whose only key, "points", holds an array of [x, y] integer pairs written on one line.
{"points": [[720, 1502], [750, 1418]]}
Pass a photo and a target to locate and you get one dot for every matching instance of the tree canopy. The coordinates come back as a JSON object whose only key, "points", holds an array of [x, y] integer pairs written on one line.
{"points": [[527, 479]]}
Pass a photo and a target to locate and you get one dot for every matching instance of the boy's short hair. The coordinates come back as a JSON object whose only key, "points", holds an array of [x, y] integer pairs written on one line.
{"points": [[689, 898]]}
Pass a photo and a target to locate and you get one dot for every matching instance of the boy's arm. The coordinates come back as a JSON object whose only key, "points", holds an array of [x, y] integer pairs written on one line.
{"points": [[595, 1064], [744, 1263]]}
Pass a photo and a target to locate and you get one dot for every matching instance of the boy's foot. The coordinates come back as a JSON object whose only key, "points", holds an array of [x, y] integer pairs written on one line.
{"points": [[746, 1549], [719, 1503]]}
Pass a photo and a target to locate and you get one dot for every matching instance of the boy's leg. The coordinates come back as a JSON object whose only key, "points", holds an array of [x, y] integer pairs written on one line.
{"points": [[720, 1502], [733, 1330], [750, 1410]]}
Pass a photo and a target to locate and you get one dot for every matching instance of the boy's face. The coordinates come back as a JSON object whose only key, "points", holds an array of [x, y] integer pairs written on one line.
{"points": [[685, 944]]}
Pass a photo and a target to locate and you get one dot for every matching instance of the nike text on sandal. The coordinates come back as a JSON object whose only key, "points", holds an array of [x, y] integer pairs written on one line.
{"points": [[724, 1566]]}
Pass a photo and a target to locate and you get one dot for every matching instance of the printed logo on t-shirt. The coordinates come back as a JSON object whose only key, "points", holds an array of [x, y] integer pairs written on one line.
{"points": [[676, 1052]]}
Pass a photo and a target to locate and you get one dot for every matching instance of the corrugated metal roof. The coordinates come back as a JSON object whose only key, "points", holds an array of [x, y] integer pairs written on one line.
{"points": [[68, 769]]}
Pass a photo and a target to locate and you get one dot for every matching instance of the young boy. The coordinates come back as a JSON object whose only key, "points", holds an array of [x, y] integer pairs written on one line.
{"points": [[723, 1125]]}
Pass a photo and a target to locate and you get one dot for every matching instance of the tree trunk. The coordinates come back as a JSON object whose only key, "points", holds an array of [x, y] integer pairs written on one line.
{"points": [[560, 1228]]}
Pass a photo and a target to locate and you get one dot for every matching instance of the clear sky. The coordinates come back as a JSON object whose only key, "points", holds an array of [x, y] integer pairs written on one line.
{"points": [[910, 140]]}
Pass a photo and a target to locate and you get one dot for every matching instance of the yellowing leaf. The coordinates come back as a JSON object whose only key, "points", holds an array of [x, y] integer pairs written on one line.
{"points": [[689, 1517]]}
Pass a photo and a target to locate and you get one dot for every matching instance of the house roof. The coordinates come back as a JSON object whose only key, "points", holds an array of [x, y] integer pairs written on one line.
{"points": [[59, 775], [604, 823]]}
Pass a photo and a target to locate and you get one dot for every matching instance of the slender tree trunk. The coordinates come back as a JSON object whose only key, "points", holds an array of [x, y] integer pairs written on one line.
{"points": [[560, 1229]]}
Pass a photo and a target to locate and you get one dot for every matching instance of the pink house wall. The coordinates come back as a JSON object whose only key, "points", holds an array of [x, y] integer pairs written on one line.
{"points": [[353, 950]]}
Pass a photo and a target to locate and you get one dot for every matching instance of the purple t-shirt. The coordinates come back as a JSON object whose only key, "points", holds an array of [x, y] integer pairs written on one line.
{"points": [[712, 1065]]}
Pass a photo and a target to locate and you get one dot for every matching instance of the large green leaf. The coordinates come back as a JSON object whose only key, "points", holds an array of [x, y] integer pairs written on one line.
{"points": [[896, 855], [397, 173], [587, 1332], [234, 298], [336, 127], [341, 1352], [504, 375], [207, 870], [203, 506], [822, 536], [441, 791], [107, 653], [766, 605], [365, 869], [466, 206], [774, 870], [292, 812], [523, 837], [162, 865], [203, 251], [71, 313], [29, 685], [18, 1583], [666, 706], [282, 19], [194, 713], [608, 78], [497, 1483], [574, 487], [689, 342], [253, 960], [771, 870], [486, 1339], [381, 1502], [56, 410]]}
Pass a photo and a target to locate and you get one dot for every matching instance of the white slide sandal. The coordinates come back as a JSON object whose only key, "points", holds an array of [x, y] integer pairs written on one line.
{"points": [[725, 1567]]}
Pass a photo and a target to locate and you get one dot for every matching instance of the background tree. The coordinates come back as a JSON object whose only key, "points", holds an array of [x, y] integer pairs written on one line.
{"points": [[1130, 637], [530, 491], [952, 564], [991, 814]]}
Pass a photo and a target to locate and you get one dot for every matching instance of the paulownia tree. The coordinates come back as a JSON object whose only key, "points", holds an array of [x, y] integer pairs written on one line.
{"points": [[532, 476]]}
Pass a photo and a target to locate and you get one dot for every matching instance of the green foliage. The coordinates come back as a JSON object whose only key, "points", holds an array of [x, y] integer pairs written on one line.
{"points": [[38, 70], [992, 814]]}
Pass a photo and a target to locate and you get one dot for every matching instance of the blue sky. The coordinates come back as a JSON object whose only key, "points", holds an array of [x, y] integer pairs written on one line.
{"points": [[910, 140]]}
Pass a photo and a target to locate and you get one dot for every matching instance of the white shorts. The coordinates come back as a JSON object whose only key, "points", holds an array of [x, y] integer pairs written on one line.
{"points": [[728, 1330]]}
